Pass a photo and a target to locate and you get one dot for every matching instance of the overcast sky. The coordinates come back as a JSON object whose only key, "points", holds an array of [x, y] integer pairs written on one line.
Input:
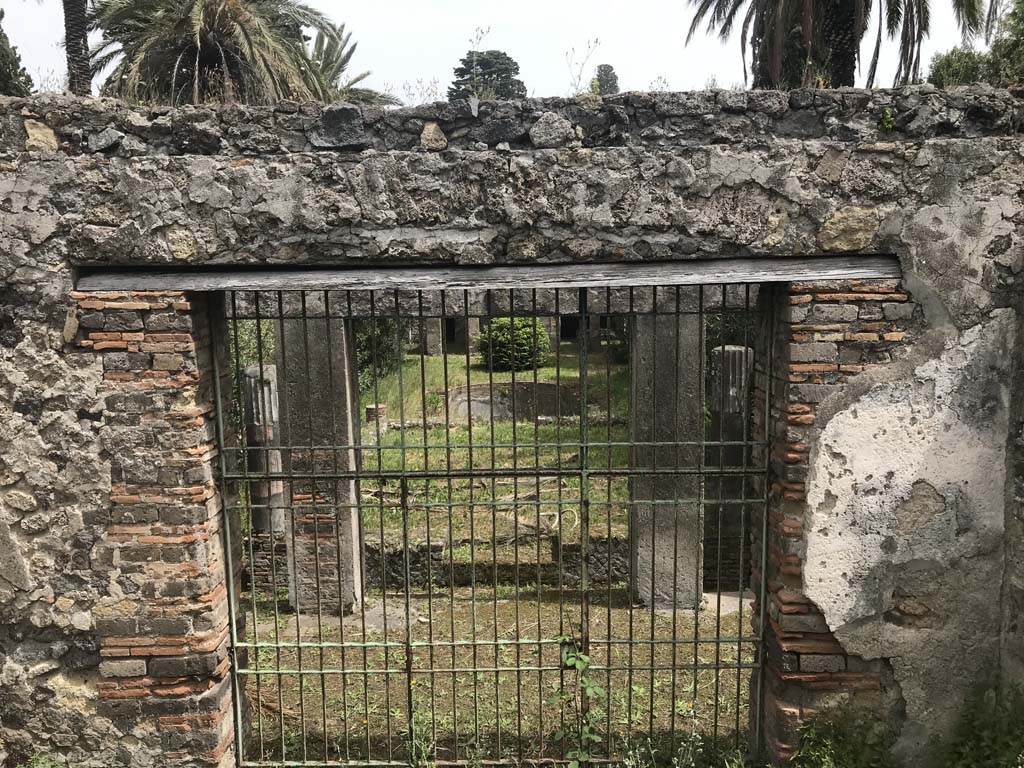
{"points": [[403, 41]]}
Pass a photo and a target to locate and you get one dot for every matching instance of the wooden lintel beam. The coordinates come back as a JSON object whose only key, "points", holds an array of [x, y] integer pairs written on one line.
{"points": [[525, 276]]}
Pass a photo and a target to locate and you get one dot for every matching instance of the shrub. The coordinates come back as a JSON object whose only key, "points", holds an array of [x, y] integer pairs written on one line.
{"points": [[848, 738], [991, 733], [514, 344], [380, 348], [959, 66]]}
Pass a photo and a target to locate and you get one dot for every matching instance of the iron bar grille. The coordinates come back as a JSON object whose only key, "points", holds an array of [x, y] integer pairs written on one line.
{"points": [[494, 526]]}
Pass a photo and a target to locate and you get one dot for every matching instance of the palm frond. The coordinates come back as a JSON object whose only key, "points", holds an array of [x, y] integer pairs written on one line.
{"points": [[331, 54], [172, 51]]}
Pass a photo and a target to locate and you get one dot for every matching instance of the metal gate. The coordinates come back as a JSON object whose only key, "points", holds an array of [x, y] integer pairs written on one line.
{"points": [[495, 526]]}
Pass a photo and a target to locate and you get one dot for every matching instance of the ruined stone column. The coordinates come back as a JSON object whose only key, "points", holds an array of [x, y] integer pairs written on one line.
{"points": [[319, 404], [260, 404], [665, 511], [463, 335], [428, 337]]}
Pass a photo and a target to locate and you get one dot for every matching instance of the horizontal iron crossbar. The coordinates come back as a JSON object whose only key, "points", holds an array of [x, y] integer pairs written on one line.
{"points": [[429, 542]]}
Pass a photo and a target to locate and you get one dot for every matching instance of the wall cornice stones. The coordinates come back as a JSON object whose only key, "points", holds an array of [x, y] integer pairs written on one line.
{"points": [[75, 126]]}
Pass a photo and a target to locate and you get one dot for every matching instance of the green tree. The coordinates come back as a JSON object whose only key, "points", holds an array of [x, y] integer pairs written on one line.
{"points": [[487, 75], [958, 66], [513, 344], [605, 82], [1006, 57], [380, 349], [197, 51], [817, 42], [1002, 65], [14, 80], [331, 54]]}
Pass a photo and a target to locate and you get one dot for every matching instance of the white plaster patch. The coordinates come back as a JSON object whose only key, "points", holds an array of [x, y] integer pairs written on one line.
{"points": [[912, 471], [905, 523]]}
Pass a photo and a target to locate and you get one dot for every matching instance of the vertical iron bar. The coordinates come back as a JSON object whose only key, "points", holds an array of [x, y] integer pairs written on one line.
{"points": [[631, 592], [316, 572], [701, 489], [427, 511], [765, 482], [653, 435], [748, 374], [537, 494], [561, 529], [607, 351], [404, 492], [720, 506], [404, 496], [472, 536], [337, 493], [515, 535], [675, 519], [383, 538], [316, 515], [266, 465], [472, 549], [360, 466], [494, 514], [229, 572], [583, 344], [294, 569]]}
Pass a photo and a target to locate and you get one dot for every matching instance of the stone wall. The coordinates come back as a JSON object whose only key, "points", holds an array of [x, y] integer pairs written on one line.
{"points": [[903, 513], [836, 181], [830, 336], [115, 621], [112, 128]]}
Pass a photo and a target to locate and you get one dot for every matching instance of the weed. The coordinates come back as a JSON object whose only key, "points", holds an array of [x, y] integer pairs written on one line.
{"points": [[583, 702], [888, 123], [695, 751], [991, 733], [847, 738], [41, 761]]}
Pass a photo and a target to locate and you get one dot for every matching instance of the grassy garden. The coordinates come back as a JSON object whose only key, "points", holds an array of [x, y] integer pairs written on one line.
{"points": [[475, 665]]}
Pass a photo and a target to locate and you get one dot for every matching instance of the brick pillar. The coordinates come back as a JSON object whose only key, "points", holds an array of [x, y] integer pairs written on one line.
{"points": [[163, 622], [826, 334]]}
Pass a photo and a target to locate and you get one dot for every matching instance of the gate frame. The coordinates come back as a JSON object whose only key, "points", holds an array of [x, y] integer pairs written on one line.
{"points": [[789, 693]]}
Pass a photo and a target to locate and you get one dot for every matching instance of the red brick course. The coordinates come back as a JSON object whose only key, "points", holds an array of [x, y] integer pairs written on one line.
{"points": [[165, 521], [826, 334]]}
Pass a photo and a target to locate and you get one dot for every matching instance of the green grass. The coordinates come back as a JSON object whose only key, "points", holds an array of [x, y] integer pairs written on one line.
{"points": [[497, 505], [434, 374], [509, 707]]}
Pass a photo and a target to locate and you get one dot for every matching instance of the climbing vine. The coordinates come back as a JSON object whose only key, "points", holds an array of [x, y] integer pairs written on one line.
{"points": [[584, 698]]}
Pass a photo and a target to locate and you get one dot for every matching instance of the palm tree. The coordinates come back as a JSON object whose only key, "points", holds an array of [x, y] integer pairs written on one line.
{"points": [[910, 21], [76, 46], [817, 42], [196, 51], [331, 55]]}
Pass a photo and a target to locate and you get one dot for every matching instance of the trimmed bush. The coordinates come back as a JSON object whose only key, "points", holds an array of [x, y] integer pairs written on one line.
{"points": [[514, 344]]}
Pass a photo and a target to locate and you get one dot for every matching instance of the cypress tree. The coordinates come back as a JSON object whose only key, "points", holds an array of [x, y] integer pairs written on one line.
{"points": [[14, 80]]}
